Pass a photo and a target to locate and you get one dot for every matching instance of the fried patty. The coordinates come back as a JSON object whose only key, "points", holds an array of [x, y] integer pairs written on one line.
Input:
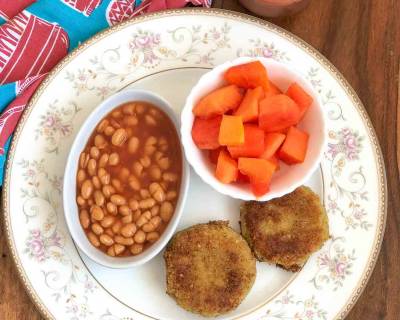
{"points": [[286, 230], [210, 268]]}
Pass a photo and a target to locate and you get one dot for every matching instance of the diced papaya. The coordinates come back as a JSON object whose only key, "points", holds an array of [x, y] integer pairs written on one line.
{"points": [[272, 91], [294, 148], [241, 178], [259, 188], [301, 97], [283, 131], [218, 102], [231, 132], [253, 145], [248, 75], [258, 170], [248, 108], [272, 142], [278, 112], [205, 132], [213, 155], [274, 159], [227, 169]]}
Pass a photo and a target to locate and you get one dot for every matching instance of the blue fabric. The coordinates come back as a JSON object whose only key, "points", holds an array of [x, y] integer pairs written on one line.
{"points": [[3, 158], [78, 26], [7, 94]]}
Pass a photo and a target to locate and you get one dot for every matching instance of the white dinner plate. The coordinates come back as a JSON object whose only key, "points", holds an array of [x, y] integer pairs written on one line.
{"points": [[167, 52]]}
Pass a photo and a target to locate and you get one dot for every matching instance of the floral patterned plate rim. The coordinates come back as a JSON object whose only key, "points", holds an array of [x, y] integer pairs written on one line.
{"points": [[355, 174]]}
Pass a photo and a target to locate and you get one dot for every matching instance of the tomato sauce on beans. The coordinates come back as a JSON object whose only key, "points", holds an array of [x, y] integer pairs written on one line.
{"points": [[128, 179]]}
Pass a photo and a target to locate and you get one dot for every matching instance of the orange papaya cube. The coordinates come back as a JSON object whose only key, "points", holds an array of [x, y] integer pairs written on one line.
{"points": [[301, 97], [241, 178], [231, 132], [258, 170], [294, 148], [213, 155], [283, 131], [278, 112], [227, 169], [248, 108], [218, 102], [272, 142], [205, 132], [248, 75], [272, 91], [253, 145], [259, 188], [274, 159]]}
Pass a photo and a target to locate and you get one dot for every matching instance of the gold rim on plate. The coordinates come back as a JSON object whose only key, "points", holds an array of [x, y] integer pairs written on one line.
{"points": [[382, 205]]}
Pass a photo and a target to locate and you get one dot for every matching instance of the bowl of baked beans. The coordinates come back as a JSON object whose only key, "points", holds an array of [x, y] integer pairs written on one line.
{"points": [[125, 180]]}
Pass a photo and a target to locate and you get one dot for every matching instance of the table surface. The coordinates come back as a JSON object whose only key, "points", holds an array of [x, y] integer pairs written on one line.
{"points": [[361, 38]]}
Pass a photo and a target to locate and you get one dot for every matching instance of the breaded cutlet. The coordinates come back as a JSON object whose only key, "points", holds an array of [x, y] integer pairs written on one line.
{"points": [[210, 268], [286, 230]]}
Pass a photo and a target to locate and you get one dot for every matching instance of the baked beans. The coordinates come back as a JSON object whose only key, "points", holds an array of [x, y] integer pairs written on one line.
{"points": [[128, 179]]}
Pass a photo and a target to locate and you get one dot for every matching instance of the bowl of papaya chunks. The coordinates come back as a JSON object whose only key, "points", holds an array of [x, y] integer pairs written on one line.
{"points": [[253, 128]]}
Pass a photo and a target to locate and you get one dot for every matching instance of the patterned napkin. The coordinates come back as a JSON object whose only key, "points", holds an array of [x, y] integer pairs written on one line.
{"points": [[36, 35]]}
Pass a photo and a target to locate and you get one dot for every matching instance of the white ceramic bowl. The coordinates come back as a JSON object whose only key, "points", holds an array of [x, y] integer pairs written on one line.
{"points": [[69, 185], [287, 178]]}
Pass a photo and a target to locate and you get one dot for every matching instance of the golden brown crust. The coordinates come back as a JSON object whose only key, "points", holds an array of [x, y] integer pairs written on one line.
{"points": [[286, 230], [210, 268]]}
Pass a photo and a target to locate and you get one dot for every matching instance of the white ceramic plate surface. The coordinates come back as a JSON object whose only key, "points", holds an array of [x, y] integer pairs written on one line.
{"points": [[167, 52]]}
